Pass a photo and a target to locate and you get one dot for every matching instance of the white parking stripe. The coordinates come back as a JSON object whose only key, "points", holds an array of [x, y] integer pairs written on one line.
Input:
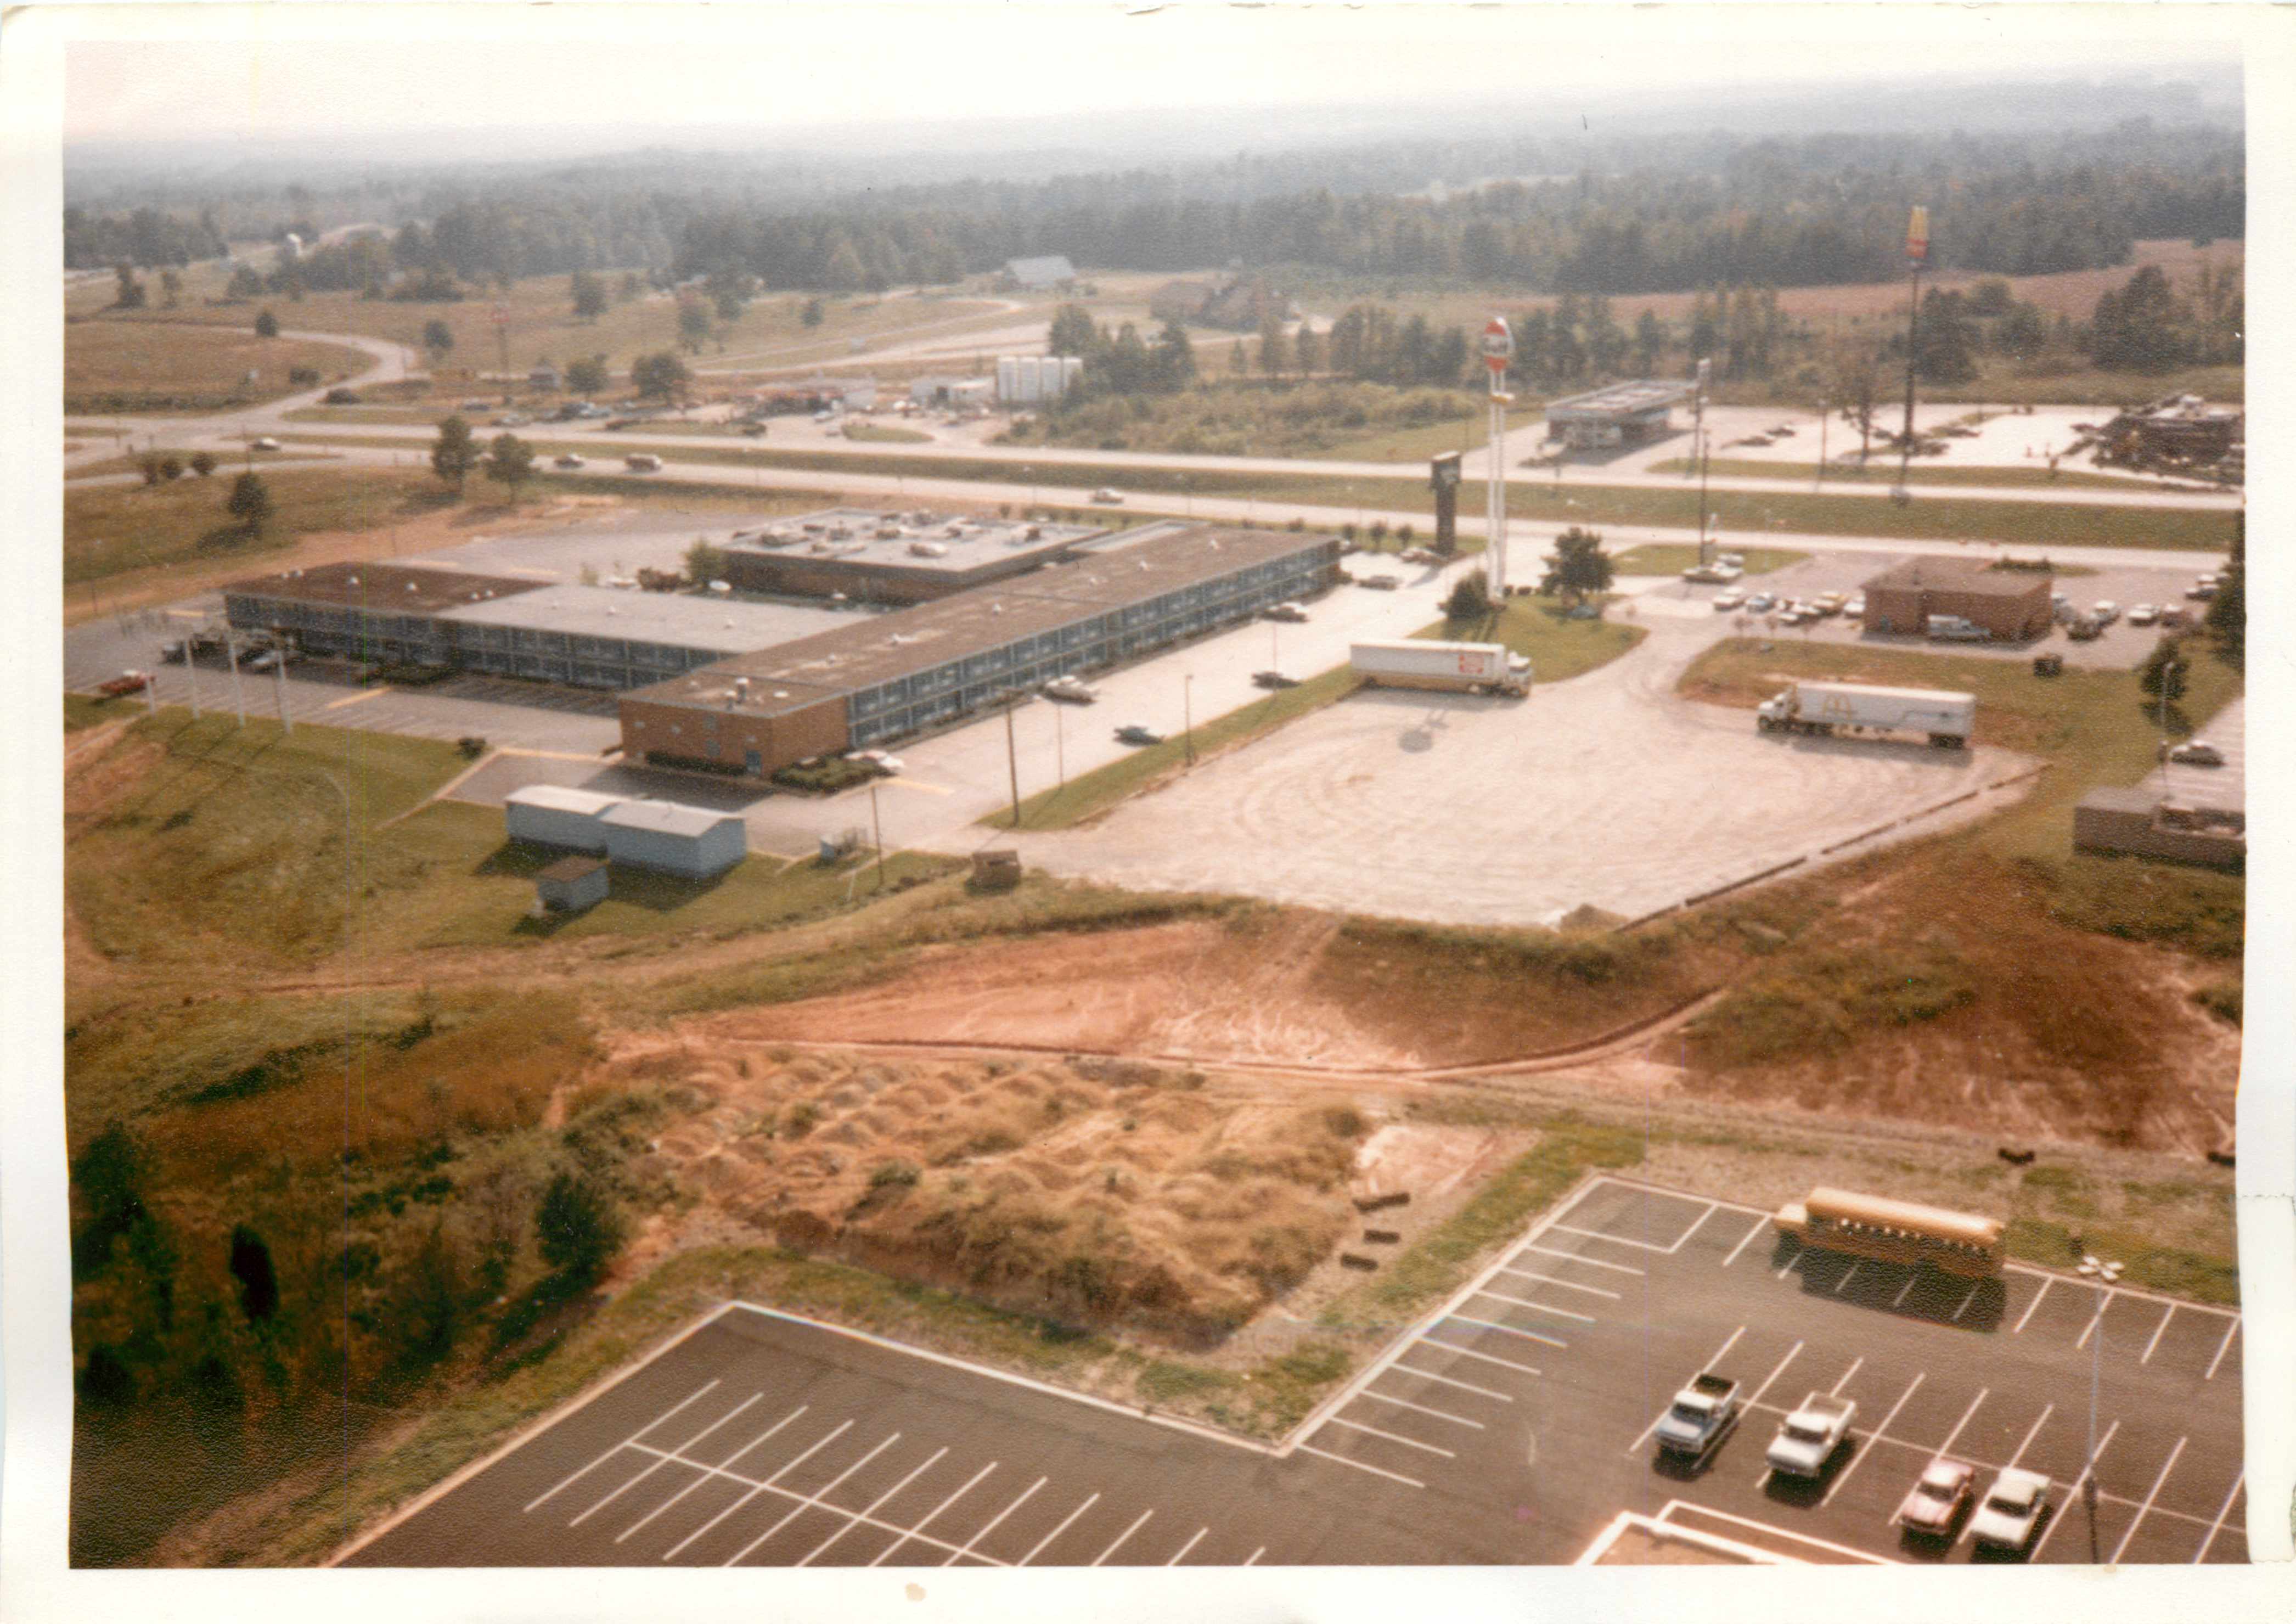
{"points": [[2223, 1512], [2036, 1303], [1087, 1505], [1792, 1258], [1849, 1275], [1945, 1447], [918, 1528], [663, 1461], [1488, 1358], [1525, 1302], [1775, 1374], [2073, 1493], [1857, 1459], [1184, 1549], [809, 1501], [1636, 1447], [1404, 1404], [1377, 1472], [1900, 1300], [966, 1549], [1761, 1224], [2155, 1343], [2167, 1466], [756, 1490], [1572, 1257], [1967, 1298], [1696, 1225], [1836, 1390], [1428, 1375], [1121, 1537], [618, 1448], [706, 1474], [1492, 1324], [871, 1509], [2047, 1410], [2221, 1347], [2089, 1329], [1252, 1559], [1393, 1437], [1597, 1235], [1568, 1285]]}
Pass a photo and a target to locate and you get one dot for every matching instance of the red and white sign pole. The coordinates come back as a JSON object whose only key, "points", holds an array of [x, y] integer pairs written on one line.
{"points": [[1498, 345]]}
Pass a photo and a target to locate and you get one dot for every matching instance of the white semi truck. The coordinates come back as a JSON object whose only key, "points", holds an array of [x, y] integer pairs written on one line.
{"points": [[1458, 668], [1826, 707]]}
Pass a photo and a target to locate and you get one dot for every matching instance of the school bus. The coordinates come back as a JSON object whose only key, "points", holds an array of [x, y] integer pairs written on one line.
{"points": [[1894, 1230]]}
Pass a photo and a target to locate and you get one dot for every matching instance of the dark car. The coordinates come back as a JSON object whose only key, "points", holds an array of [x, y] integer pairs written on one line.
{"points": [[340, 397], [1135, 733], [1379, 583], [1274, 680]]}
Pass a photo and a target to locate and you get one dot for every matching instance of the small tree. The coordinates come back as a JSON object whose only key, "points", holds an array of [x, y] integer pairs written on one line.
{"points": [[659, 376], [589, 296], [203, 463], [586, 376], [171, 467], [510, 462], [267, 325], [811, 313], [246, 283], [2227, 617], [2162, 674], [171, 287], [453, 453], [438, 338], [1578, 568], [148, 467], [1469, 599], [577, 1227], [250, 502], [704, 562], [693, 323], [130, 296], [632, 286]]}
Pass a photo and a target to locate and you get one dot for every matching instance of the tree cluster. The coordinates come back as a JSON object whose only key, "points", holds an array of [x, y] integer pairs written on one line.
{"points": [[1119, 362], [2145, 327]]}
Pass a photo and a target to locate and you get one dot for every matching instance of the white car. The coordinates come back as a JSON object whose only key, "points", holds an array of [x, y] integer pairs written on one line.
{"points": [[2011, 1510], [1731, 599], [2143, 614], [1854, 608], [567, 459], [265, 444], [1108, 497], [2104, 612]]}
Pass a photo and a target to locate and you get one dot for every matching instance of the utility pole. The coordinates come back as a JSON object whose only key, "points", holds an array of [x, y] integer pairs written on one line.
{"points": [[231, 658], [279, 686], [2103, 1274], [1187, 717], [1705, 371], [1823, 415], [1061, 746], [1917, 251], [1498, 345], [1013, 755], [878, 824]]}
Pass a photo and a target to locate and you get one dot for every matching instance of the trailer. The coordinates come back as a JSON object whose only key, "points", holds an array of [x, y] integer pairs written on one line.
{"points": [[1826, 707], [1456, 667]]}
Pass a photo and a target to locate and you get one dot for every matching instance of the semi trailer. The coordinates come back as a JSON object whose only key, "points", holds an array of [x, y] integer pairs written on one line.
{"points": [[1458, 668], [1825, 707]]}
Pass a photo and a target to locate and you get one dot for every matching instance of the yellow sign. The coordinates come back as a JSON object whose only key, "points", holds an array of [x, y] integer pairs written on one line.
{"points": [[1917, 233]]}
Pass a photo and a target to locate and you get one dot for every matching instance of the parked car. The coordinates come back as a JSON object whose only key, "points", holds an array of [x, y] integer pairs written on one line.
{"points": [[476, 405], [643, 462], [1956, 629], [1717, 574], [2012, 1510], [2104, 612], [265, 444], [1729, 598], [1809, 1436], [1284, 611], [2174, 615], [1138, 733], [1108, 497], [340, 396], [125, 683], [1074, 690], [2204, 586], [1761, 604], [2143, 614], [512, 420], [1379, 583], [2088, 629], [2193, 752], [1274, 680], [261, 659], [1934, 1507], [1854, 606], [886, 764], [566, 459]]}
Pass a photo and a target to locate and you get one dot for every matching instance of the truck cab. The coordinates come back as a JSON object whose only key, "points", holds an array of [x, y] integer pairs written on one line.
{"points": [[1808, 1437], [1700, 1414]]}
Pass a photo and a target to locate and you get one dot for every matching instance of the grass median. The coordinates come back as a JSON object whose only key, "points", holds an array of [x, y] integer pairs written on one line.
{"points": [[1661, 558], [1559, 648], [1882, 475]]}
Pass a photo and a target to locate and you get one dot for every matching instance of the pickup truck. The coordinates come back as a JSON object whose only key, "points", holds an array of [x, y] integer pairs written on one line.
{"points": [[1701, 1415], [1808, 1437]]}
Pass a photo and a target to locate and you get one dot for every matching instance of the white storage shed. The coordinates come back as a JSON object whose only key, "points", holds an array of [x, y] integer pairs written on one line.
{"points": [[688, 840], [552, 814]]}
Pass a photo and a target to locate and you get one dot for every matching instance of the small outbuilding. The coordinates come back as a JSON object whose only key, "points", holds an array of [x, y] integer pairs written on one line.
{"points": [[2012, 606], [2140, 821], [552, 814], [691, 841], [571, 884], [1039, 271]]}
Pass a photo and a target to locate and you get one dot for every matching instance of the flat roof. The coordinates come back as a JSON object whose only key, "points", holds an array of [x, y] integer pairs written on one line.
{"points": [[956, 542], [383, 588], [861, 654], [723, 623], [561, 798], [1958, 575], [1627, 399], [667, 817], [2115, 798]]}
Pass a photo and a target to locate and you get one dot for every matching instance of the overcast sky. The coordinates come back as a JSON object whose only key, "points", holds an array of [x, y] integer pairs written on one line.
{"points": [[263, 72]]}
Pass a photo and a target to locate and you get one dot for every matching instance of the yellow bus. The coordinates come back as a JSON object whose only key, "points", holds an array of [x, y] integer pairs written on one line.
{"points": [[1894, 1232]]}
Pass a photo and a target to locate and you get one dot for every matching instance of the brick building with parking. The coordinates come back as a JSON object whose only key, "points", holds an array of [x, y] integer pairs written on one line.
{"points": [[2012, 606]]}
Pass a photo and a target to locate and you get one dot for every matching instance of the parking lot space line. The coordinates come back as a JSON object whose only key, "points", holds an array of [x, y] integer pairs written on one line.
{"points": [[1253, 1560], [1945, 1447], [2047, 1410], [2167, 1466], [1572, 1257], [1731, 1342], [967, 1548], [691, 1397], [1746, 1240], [1121, 1537], [1525, 1302], [2073, 1493], [1968, 1297], [1377, 1472], [916, 1531], [1696, 1225], [1489, 1359], [810, 1502], [1911, 1275], [1848, 1275], [354, 699], [1406, 1404], [1568, 1285], [1620, 1240], [1428, 1375], [1492, 1324], [1792, 1258], [1836, 1390], [2089, 1330], [871, 1509], [1393, 1437], [1843, 1476], [2157, 1330], [665, 1460], [756, 1489], [1773, 1374], [1083, 1506], [2223, 1512], [2036, 1303], [2230, 1331], [1184, 1549]]}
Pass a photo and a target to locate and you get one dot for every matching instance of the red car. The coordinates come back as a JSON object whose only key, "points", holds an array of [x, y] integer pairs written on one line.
{"points": [[1934, 1507]]}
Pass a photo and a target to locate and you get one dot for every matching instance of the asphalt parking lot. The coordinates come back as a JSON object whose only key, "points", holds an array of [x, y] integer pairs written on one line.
{"points": [[1508, 1427]]}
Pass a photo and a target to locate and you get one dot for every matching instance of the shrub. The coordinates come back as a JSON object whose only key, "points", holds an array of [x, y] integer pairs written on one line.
{"points": [[578, 1227]]}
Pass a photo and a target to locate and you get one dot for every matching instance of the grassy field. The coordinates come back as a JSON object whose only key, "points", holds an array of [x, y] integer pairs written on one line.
{"points": [[114, 529], [1558, 649], [1664, 558], [885, 434], [118, 366], [1883, 472], [1468, 433]]}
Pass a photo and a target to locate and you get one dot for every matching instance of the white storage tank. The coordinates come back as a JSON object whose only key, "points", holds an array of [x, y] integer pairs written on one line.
{"points": [[1008, 380], [690, 842], [552, 814]]}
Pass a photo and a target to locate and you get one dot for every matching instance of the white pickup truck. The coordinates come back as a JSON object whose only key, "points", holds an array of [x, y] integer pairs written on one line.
{"points": [[1701, 1415], [1808, 1437]]}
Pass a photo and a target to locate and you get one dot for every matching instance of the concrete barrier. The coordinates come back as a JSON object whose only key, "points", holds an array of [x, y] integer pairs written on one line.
{"points": [[1756, 879], [1382, 1237], [1376, 1203], [1348, 1259]]}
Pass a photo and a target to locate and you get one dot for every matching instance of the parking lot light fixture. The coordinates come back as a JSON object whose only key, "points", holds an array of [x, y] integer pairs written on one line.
{"points": [[2104, 1273], [1187, 717]]}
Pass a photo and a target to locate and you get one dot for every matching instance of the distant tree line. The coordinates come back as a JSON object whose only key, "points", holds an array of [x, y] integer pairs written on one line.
{"points": [[145, 237]]}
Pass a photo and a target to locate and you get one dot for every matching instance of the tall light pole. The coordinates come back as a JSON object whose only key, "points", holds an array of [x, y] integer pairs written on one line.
{"points": [[1498, 348], [2103, 1274], [1823, 413], [878, 824], [1705, 374], [1188, 717], [1917, 252]]}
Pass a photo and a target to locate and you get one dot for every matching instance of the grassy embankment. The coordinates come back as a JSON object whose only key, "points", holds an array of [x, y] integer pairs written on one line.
{"points": [[1558, 648], [1883, 474], [168, 366]]}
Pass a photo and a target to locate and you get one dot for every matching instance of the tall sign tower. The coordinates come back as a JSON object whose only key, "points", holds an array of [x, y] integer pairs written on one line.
{"points": [[1498, 348], [1917, 254]]}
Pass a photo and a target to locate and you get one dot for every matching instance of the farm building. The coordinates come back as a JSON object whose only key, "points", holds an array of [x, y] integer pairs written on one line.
{"points": [[1041, 271], [552, 814], [2011, 606], [1621, 415], [689, 841], [571, 884]]}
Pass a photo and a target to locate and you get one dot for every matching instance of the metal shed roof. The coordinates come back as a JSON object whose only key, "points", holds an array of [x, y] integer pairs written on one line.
{"points": [[558, 798], [667, 817]]}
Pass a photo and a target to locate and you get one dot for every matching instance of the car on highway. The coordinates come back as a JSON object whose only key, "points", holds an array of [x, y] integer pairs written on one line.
{"points": [[1107, 498], [643, 462], [476, 405], [2012, 1510], [512, 420], [2104, 612], [567, 459], [2193, 752], [1379, 583], [2143, 614], [1138, 733], [340, 396], [1934, 1507], [1074, 690], [264, 444], [1730, 598], [1761, 604], [1273, 679], [1284, 611]]}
